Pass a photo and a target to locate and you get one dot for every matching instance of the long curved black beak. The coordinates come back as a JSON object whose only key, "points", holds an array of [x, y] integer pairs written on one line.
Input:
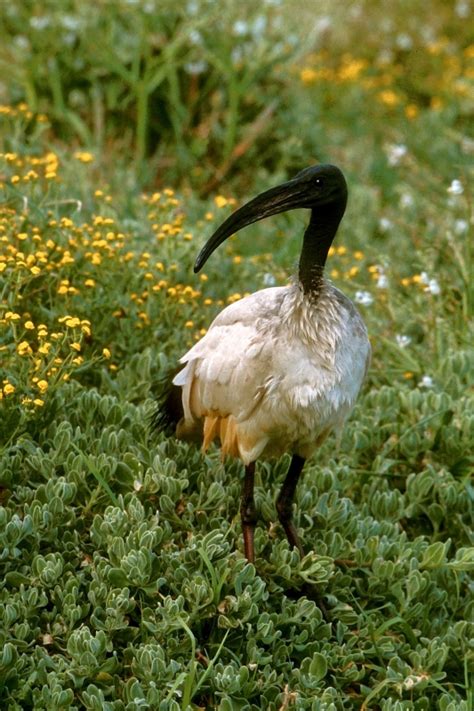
{"points": [[281, 198]]}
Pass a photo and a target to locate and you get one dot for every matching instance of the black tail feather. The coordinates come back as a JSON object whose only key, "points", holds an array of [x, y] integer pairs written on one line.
{"points": [[169, 406]]}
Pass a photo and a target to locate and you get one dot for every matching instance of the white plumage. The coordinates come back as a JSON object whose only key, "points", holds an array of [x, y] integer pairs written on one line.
{"points": [[282, 371]]}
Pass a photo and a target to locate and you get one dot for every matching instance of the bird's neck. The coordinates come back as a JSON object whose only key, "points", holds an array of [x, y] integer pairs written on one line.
{"points": [[317, 240]]}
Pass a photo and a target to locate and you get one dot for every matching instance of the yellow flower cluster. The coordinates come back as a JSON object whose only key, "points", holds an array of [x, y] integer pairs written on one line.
{"points": [[59, 271], [387, 80]]}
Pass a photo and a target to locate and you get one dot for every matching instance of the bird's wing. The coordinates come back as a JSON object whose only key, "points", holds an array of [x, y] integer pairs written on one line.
{"points": [[225, 371]]}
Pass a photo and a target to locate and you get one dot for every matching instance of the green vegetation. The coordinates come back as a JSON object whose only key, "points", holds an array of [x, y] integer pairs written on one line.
{"points": [[122, 579]]}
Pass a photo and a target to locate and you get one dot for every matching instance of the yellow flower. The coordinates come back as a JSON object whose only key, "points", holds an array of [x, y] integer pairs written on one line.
{"points": [[234, 297], [38, 402], [411, 111], [29, 325], [75, 346], [388, 97], [220, 201], [308, 76], [89, 282], [70, 321], [189, 324], [24, 348], [42, 385], [106, 353], [352, 69], [84, 156], [436, 103], [8, 389]]}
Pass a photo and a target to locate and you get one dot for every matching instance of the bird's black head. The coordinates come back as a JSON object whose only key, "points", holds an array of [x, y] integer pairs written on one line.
{"points": [[321, 188]]}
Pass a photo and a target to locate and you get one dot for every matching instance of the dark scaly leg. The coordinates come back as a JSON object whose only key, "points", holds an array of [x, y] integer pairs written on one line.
{"points": [[248, 512], [284, 502]]}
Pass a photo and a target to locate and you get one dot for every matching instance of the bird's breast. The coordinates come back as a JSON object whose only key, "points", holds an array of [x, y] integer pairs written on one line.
{"points": [[320, 357]]}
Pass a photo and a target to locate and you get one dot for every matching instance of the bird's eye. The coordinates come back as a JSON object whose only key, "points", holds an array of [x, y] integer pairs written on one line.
{"points": [[319, 182]]}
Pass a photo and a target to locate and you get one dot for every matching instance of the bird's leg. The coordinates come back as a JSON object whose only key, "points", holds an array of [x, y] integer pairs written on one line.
{"points": [[248, 512], [284, 502]]}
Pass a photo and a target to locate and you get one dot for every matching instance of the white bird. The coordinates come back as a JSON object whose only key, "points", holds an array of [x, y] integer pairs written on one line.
{"points": [[281, 369]]}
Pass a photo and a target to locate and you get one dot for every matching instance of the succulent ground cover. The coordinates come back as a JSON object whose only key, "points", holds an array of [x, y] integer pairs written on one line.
{"points": [[122, 579]]}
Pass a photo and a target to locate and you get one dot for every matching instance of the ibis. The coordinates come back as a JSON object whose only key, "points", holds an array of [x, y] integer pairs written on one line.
{"points": [[279, 370]]}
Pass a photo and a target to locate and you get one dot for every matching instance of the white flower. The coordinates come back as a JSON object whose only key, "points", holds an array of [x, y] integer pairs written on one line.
{"points": [[402, 340], [22, 42], [259, 26], [461, 226], [269, 279], [323, 24], [195, 37], [240, 28], [426, 382], [69, 38], [382, 281], [364, 297], [404, 41], [195, 68], [385, 224], [456, 188], [413, 680], [462, 9], [71, 22], [406, 200], [424, 278], [433, 287], [192, 8], [395, 153], [40, 22]]}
